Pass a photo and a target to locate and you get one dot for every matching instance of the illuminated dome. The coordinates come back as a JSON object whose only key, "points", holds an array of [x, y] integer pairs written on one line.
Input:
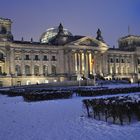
{"points": [[51, 33]]}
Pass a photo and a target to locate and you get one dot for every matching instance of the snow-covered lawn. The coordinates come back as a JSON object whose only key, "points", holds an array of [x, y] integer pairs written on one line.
{"points": [[56, 120]]}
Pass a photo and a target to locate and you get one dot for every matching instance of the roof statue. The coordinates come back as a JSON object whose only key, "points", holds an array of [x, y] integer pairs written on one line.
{"points": [[60, 38], [99, 35], [60, 29]]}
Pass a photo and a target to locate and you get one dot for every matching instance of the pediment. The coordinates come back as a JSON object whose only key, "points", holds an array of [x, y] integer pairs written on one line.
{"points": [[87, 41]]}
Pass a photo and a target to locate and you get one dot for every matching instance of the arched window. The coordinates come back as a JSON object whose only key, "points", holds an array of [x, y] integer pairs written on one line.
{"points": [[1, 57], [0, 70], [128, 70], [124, 70], [45, 70], [138, 70], [18, 70], [36, 70], [27, 70], [53, 69]]}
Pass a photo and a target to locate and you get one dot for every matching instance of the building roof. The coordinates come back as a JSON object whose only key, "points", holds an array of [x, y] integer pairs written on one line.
{"points": [[5, 19], [51, 33], [129, 36]]}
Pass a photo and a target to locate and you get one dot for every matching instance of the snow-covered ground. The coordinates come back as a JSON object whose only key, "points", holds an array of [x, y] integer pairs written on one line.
{"points": [[56, 120]]}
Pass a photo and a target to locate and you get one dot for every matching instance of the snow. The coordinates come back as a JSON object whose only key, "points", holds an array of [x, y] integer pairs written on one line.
{"points": [[56, 120]]}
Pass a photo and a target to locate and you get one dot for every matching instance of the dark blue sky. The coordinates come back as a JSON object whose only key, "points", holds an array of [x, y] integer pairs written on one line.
{"points": [[82, 17]]}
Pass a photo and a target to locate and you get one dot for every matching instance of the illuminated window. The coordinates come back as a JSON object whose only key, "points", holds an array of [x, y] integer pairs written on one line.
{"points": [[28, 82], [46, 81]]}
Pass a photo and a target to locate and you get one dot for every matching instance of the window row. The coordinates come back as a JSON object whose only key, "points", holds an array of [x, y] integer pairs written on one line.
{"points": [[117, 60], [119, 70], [36, 57], [36, 70]]}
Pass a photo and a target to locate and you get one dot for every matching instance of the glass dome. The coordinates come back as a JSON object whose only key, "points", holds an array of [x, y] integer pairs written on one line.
{"points": [[50, 33]]}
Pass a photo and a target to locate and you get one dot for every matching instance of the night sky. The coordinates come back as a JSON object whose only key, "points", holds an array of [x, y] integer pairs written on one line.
{"points": [[81, 17]]}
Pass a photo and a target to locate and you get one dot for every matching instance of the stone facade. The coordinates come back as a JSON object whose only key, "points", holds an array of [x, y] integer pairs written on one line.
{"points": [[64, 57]]}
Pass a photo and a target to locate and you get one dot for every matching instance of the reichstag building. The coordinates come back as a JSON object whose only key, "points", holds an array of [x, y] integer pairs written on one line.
{"points": [[61, 56]]}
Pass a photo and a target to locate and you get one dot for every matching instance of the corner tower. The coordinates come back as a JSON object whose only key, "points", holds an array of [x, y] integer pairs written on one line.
{"points": [[5, 30]]}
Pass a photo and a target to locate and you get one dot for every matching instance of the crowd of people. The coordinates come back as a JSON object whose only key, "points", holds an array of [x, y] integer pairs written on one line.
{"points": [[107, 91], [114, 109]]}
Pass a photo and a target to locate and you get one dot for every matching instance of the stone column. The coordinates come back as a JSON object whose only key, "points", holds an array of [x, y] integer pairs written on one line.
{"points": [[41, 64], [94, 67], [120, 65], [93, 63], [73, 62], [80, 62], [77, 62], [76, 68], [133, 64], [87, 63], [90, 63], [7, 60], [61, 60], [12, 61], [104, 64], [83, 65], [85, 70], [32, 63], [69, 63], [114, 67], [22, 63]]}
